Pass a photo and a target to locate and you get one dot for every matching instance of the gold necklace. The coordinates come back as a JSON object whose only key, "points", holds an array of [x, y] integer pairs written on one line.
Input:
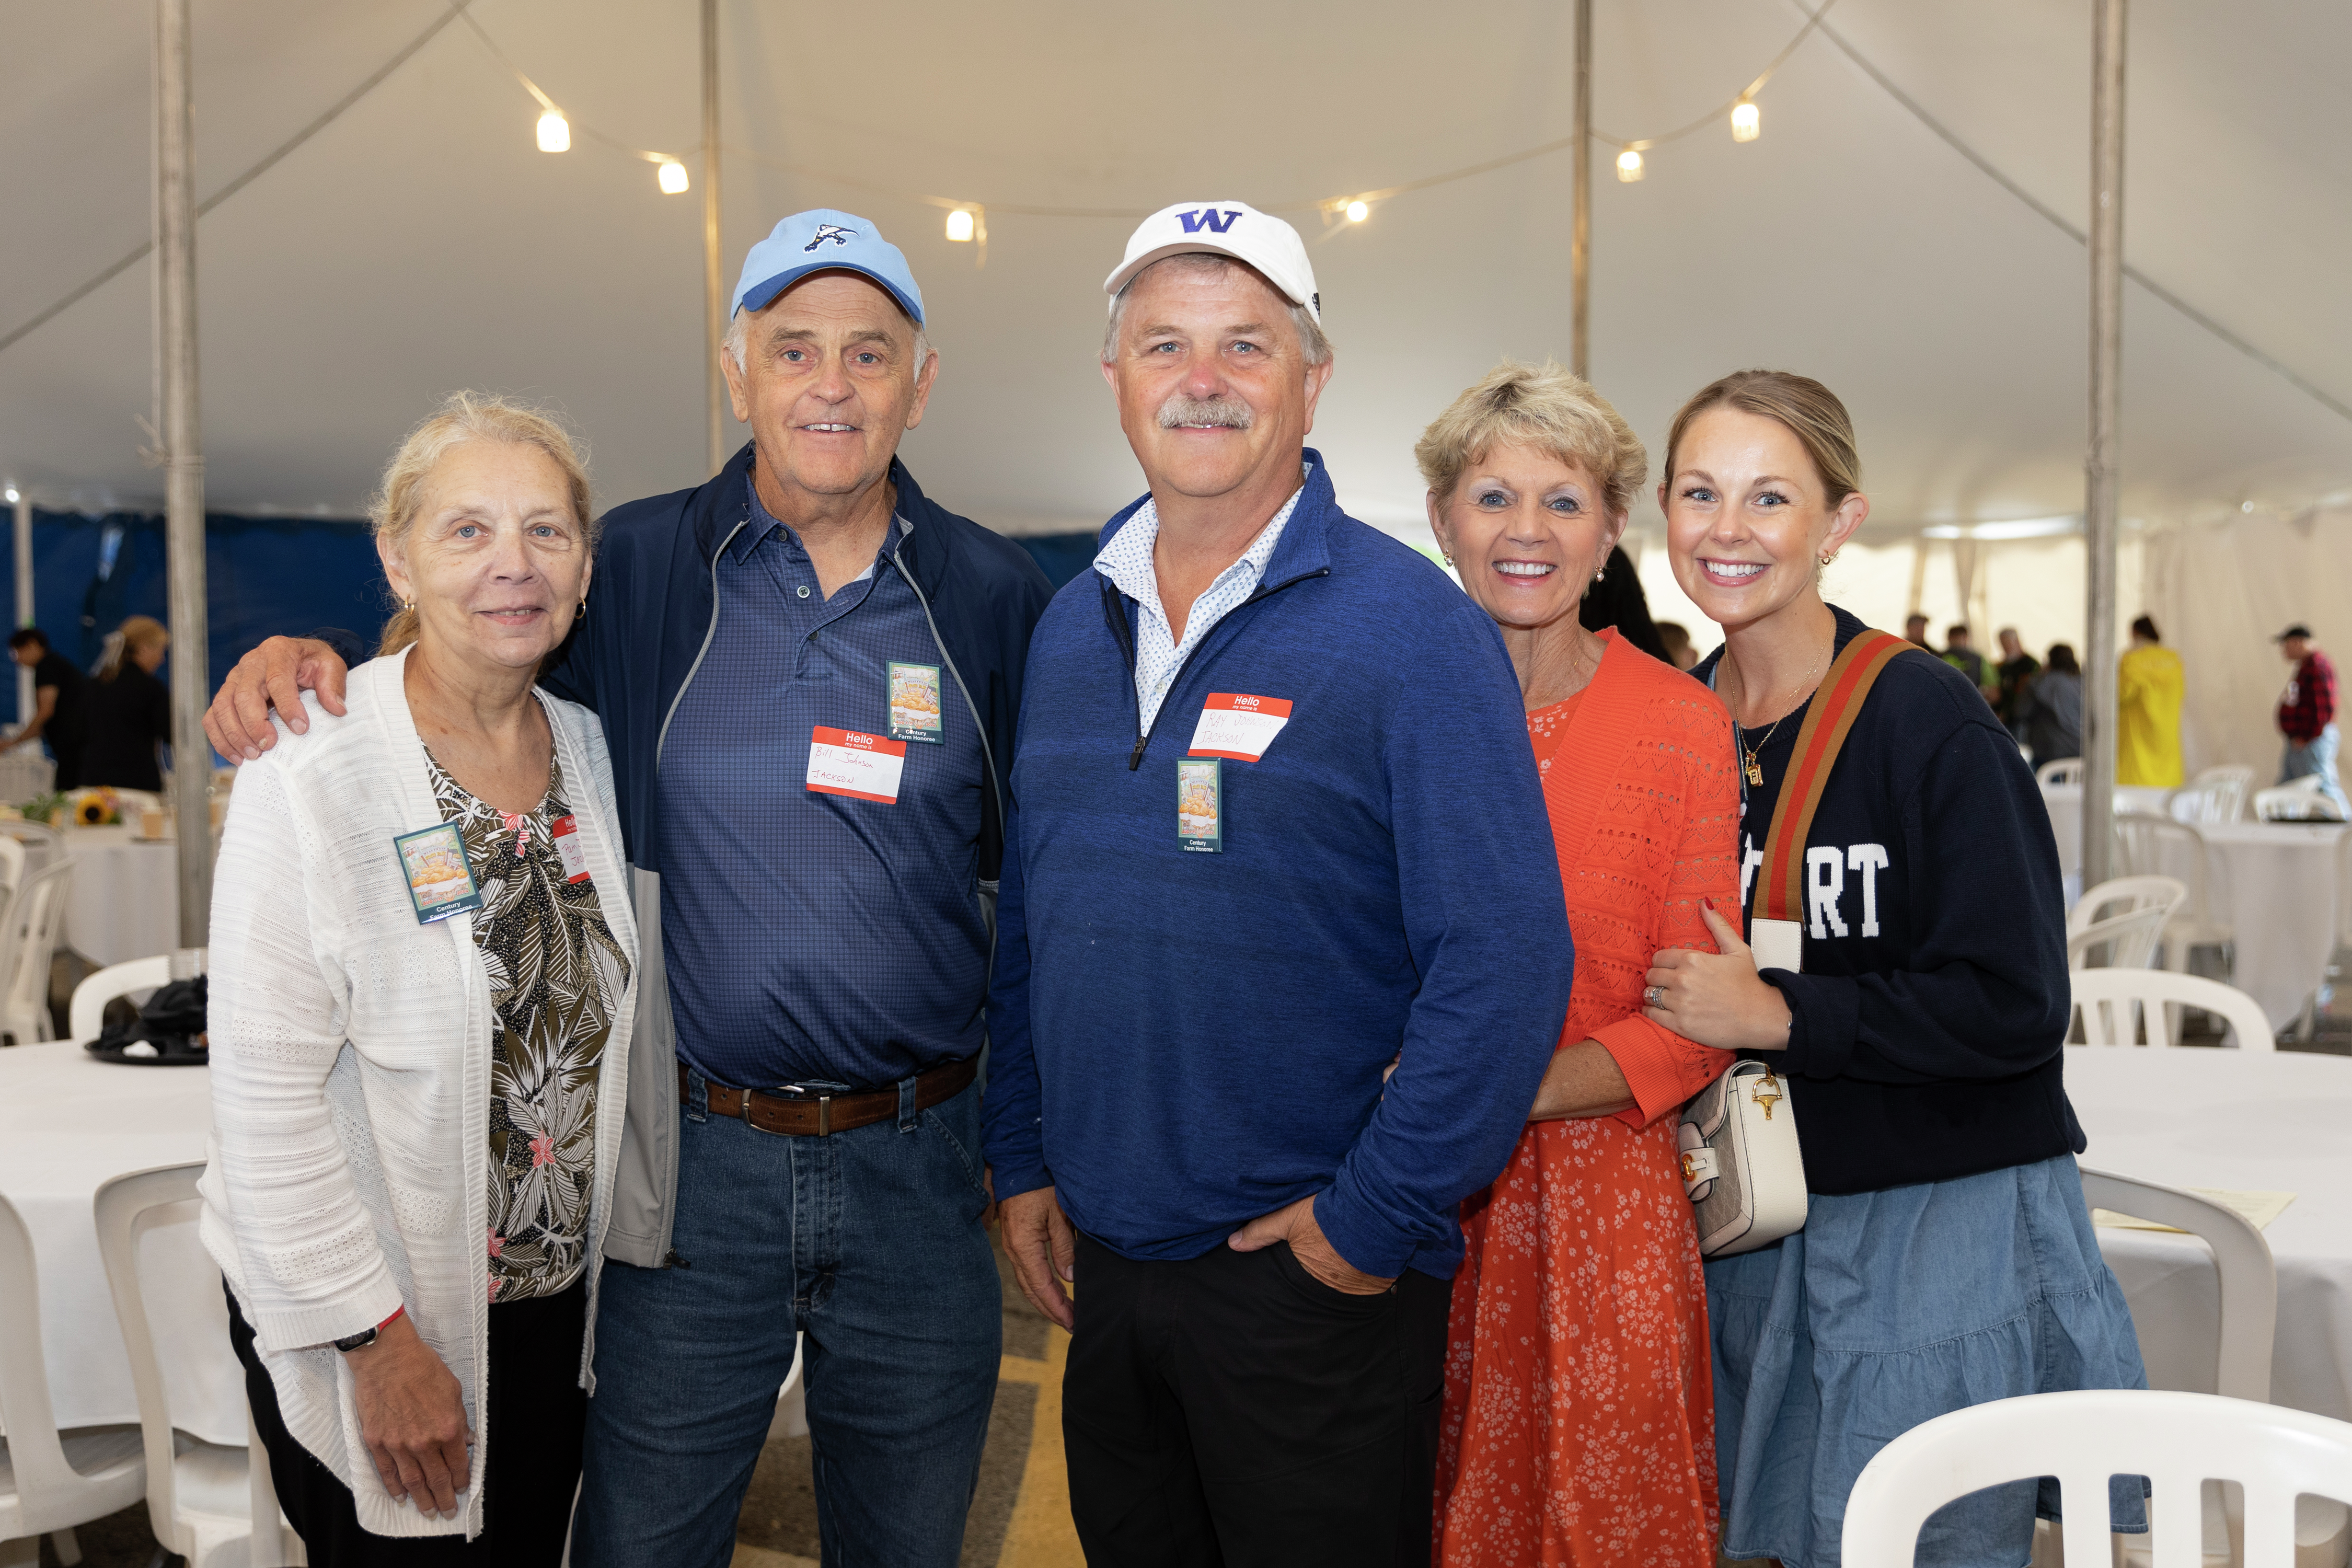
{"points": [[1751, 767]]}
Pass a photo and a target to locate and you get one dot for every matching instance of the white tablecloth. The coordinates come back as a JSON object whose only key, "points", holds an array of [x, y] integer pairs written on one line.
{"points": [[2275, 882], [125, 901], [68, 1123], [2247, 1121]]}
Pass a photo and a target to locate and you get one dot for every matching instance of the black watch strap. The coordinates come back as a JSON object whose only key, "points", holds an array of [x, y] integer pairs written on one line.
{"points": [[359, 1341]]}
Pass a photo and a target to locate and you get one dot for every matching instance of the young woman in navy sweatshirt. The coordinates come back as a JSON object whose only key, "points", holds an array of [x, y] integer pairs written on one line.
{"points": [[1946, 1258]]}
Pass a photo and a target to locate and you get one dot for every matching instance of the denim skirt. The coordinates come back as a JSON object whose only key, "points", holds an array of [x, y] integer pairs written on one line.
{"points": [[1890, 1308]]}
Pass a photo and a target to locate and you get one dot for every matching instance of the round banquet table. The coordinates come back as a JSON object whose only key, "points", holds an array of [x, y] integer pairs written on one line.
{"points": [[125, 900], [2275, 882], [70, 1123], [2249, 1121]]}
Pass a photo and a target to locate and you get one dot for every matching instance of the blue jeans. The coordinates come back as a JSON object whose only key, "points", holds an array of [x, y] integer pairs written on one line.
{"points": [[869, 1243], [2316, 756]]}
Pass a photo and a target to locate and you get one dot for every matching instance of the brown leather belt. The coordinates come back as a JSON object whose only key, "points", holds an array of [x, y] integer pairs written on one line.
{"points": [[822, 1115]]}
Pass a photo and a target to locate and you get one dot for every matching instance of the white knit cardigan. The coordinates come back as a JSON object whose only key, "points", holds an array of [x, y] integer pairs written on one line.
{"points": [[350, 1070]]}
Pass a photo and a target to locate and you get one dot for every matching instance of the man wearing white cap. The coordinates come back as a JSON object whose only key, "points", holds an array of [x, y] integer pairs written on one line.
{"points": [[807, 673], [1276, 826]]}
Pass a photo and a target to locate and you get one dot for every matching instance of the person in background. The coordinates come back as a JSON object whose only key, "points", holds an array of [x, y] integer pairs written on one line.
{"points": [[423, 966], [1960, 656], [59, 698], [1914, 630], [1947, 1256], [2306, 715], [1614, 598], [127, 713], [2016, 672], [1271, 834], [2149, 684], [1675, 638], [1579, 1425], [2054, 709]]}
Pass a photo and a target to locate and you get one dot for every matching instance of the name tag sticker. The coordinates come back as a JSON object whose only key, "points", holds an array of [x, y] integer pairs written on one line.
{"points": [[1238, 726], [440, 877], [1200, 805], [915, 703], [566, 834], [852, 763], [1777, 944]]}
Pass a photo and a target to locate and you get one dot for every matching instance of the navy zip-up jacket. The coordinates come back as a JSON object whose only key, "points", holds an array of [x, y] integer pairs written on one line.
{"points": [[1183, 1041]]}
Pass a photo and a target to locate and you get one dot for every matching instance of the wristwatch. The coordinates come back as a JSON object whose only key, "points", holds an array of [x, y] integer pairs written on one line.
{"points": [[366, 1337]]}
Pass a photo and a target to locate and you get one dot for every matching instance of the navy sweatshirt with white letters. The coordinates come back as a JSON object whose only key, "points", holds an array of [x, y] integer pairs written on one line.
{"points": [[1931, 1017]]}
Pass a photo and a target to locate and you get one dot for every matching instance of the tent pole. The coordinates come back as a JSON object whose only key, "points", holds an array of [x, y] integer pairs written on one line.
{"points": [[184, 470], [1579, 240], [24, 599], [2101, 500], [713, 286]]}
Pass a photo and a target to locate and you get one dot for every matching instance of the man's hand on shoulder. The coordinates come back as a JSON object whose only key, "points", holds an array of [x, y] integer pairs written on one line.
{"points": [[274, 674], [1044, 1249], [1295, 1224]]}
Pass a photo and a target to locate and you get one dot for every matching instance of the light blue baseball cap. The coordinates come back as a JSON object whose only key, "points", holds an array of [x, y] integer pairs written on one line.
{"points": [[825, 240]]}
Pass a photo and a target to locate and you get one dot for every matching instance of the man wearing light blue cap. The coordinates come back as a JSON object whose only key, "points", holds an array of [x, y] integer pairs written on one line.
{"points": [[807, 673]]}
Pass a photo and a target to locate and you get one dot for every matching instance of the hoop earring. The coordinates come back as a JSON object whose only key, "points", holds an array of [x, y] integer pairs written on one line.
{"points": [[582, 611], [409, 605]]}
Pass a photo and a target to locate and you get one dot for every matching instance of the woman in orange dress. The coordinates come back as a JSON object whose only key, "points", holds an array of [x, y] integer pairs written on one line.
{"points": [[1579, 1422]]}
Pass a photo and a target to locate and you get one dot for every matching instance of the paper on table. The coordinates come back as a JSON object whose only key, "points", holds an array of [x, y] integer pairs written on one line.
{"points": [[2257, 1209]]}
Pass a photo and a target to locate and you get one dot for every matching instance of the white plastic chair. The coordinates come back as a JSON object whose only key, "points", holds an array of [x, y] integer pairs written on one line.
{"points": [[2124, 917], [2297, 801], [2112, 1004], [201, 1498], [49, 1480], [2216, 795], [2141, 838], [2064, 770], [85, 1014], [11, 862], [2178, 1440], [2240, 1256], [28, 940]]}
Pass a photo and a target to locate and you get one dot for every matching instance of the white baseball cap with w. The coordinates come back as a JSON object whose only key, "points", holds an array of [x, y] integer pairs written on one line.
{"points": [[1226, 228]]}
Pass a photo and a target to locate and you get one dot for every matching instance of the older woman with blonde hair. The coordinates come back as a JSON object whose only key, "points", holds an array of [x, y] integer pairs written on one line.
{"points": [[1578, 1423], [423, 966]]}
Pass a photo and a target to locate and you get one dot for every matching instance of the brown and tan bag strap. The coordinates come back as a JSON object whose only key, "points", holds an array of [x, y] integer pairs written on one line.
{"points": [[1780, 890]]}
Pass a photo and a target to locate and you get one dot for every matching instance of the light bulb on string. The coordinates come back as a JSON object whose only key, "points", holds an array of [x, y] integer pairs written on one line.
{"points": [[959, 226], [1745, 123], [554, 132], [1629, 166], [672, 177], [1358, 211]]}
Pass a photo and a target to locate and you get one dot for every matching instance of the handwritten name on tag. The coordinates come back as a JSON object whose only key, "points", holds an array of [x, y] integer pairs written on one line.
{"points": [[565, 831], [852, 763], [1236, 725]]}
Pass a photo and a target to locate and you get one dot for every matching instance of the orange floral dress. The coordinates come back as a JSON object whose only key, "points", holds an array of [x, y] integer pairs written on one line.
{"points": [[1579, 1424]]}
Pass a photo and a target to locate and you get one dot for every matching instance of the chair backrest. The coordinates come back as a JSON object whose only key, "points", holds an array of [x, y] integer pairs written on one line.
{"points": [[2242, 1259], [85, 1014], [2140, 838], [119, 1205], [2298, 800], [2064, 770], [2216, 795], [2127, 895], [28, 940], [46, 1486], [12, 861], [2123, 941], [2083, 1437], [2107, 1000]]}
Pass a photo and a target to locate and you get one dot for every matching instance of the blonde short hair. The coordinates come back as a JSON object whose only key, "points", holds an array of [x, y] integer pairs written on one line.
{"points": [[468, 416], [1542, 406]]}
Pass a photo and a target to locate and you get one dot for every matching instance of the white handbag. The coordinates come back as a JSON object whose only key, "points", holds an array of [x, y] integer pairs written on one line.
{"points": [[1741, 1166]]}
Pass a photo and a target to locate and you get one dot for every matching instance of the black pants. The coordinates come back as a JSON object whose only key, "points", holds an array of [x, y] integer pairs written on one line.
{"points": [[1234, 1410], [537, 1413]]}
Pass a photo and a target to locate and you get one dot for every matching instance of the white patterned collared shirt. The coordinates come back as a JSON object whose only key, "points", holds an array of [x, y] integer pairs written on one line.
{"points": [[1126, 562]]}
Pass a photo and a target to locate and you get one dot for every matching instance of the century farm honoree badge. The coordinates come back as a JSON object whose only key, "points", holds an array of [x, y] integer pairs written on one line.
{"points": [[1199, 804], [440, 877], [915, 703]]}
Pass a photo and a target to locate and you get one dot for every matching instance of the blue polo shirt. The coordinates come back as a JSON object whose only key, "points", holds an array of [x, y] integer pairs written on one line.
{"points": [[814, 937]]}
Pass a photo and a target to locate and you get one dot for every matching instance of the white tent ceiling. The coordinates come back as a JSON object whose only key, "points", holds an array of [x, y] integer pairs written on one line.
{"points": [[420, 242]]}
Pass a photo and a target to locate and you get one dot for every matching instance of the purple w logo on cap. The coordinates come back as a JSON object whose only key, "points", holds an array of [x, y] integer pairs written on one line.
{"points": [[1209, 218]]}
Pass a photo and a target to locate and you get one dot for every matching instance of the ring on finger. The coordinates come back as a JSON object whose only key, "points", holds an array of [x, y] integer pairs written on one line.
{"points": [[1654, 997]]}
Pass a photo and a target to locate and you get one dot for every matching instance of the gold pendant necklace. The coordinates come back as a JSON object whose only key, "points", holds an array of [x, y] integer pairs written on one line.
{"points": [[1750, 765]]}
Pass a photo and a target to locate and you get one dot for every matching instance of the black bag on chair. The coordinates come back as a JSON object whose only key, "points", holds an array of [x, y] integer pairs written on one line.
{"points": [[168, 1031]]}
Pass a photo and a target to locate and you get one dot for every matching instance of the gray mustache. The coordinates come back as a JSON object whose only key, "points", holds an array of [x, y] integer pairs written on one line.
{"points": [[1182, 410]]}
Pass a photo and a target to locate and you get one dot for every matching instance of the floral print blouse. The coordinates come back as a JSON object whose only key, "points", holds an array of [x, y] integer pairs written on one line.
{"points": [[556, 976]]}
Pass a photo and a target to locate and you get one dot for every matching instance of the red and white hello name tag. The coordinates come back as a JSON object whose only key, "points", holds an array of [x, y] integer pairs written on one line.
{"points": [[1238, 726], [852, 763], [565, 831]]}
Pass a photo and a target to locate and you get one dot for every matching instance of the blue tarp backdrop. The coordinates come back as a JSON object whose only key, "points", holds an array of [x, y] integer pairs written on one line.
{"points": [[263, 575]]}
